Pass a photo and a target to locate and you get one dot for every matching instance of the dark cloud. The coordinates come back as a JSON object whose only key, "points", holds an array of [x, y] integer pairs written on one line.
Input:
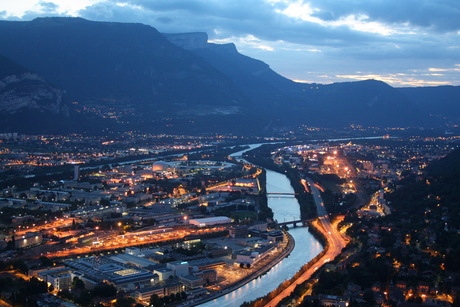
{"points": [[240, 18], [222, 19], [439, 15]]}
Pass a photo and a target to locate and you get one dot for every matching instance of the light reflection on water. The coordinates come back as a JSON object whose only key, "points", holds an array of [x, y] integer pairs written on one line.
{"points": [[306, 247]]}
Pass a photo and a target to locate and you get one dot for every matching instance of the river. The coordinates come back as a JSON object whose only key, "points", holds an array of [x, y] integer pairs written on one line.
{"points": [[306, 246]]}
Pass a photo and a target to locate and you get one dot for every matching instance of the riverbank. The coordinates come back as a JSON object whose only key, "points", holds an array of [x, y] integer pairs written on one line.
{"points": [[263, 269]]}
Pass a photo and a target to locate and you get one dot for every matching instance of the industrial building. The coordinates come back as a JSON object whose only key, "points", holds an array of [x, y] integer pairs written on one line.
{"points": [[60, 277], [29, 239], [122, 276], [210, 221], [160, 290]]}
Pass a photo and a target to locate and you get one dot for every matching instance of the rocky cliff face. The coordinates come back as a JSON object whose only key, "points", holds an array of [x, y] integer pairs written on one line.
{"points": [[21, 90], [188, 41], [198, 40]]}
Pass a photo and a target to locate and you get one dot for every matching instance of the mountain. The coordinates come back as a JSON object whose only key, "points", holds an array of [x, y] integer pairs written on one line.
{"points": [[22, 90], [26, 95], [131, 77], [255, 78], [370, 102], [120, 67], [430, 204], [441, 101]]}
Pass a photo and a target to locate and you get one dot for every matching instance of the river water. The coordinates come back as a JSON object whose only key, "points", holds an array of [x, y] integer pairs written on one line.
{"points": [[306, 246]]}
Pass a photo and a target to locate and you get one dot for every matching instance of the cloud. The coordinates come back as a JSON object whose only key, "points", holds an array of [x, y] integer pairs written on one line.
{"points": [[439, 15], [48, 7], [221, 19], [358, 30], [304, 39]]}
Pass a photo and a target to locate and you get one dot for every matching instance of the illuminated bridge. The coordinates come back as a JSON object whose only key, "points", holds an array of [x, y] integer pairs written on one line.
{"points": [[295, 223], [281, 195]]}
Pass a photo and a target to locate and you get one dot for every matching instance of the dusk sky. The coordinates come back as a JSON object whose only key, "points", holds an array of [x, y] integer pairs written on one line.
{"points": [[401, 42]]}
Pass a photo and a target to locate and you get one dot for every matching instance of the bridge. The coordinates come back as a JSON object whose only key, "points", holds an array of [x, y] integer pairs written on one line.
{"points": [[281, 195], [294, 223]]}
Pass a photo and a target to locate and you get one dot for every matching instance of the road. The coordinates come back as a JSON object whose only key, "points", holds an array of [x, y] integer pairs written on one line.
{"points": [[334, 238]]}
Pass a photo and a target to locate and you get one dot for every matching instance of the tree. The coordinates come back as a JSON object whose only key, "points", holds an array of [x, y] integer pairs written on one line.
{"points": [[104, 202], [166, 299], [368, 296], [104, 290], [155, 300], [77, 283], [125, 302], [21, 266], [46, 262]]}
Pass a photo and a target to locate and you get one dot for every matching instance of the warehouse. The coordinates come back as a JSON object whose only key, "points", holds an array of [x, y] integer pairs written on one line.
{"points": [[210, 221]]}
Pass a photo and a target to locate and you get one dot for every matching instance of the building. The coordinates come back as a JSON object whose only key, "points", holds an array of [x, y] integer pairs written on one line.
{"points": [[180, 268], [210, 221], [238, 232], [59, 277], [161, 166], [140, 252], [122, 276], [246, 257], [160, 290], [134, 261], [60, 280], [191, 281], [208, 276], [197, 293], [333, 301], [28, 240], [76, 172], [275, 236], [96, 211], [253, 256], [164, 273], [205, 263]]}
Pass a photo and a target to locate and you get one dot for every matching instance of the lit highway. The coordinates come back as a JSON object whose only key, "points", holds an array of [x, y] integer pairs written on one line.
{"points": [[334, 238]]}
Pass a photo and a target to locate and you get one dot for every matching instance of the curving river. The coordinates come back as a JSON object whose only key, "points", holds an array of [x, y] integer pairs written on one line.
{"points": [[306, 246]]}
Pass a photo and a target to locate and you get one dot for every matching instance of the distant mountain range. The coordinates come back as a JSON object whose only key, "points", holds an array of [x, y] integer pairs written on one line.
{"points": [[81, 75]]}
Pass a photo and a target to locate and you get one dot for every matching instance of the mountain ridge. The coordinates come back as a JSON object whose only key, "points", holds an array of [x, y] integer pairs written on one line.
{"points": [[134, 77]]}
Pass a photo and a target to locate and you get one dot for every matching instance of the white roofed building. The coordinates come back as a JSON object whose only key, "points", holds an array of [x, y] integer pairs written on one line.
{"points": [[210, 221]]}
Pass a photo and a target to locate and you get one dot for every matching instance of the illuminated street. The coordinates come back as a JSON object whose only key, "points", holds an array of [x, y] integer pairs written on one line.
{"points": [[117, 241]]}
